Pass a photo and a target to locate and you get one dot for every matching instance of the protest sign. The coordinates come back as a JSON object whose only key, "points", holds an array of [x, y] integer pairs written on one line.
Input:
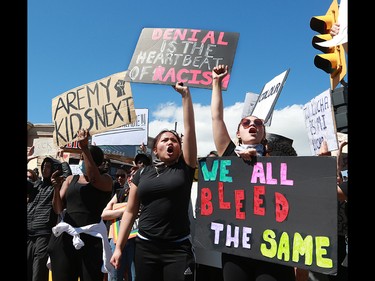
{"points": [[170, 55], [266, 102], [280, 209], [97, 106], [320, 122], [135, 133], [249, 103], [44, 146]]}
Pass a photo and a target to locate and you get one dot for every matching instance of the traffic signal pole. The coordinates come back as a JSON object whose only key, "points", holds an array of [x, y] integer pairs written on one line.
{"points": [[332, 61]]}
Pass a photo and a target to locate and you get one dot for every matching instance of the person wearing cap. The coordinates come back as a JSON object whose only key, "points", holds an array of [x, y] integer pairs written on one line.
{"points": [[40, 220], [142, 159]]}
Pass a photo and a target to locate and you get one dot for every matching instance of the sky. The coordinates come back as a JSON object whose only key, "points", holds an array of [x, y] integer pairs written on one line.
{"points": [[72, 43]]}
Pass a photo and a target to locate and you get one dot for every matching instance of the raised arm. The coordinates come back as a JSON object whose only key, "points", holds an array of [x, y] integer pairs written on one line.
{"points": [[30, 152], [219, 129], [98, 180], [189, 141]]}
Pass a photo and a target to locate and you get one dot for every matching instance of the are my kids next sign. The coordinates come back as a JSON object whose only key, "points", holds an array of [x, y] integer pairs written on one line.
{"points": [[277, 209], [97, 106]]}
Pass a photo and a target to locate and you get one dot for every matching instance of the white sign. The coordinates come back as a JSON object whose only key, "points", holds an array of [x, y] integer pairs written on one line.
{"points": [[249, 103], [267, 99], [320, 122], [44, 146], [135, 133]]}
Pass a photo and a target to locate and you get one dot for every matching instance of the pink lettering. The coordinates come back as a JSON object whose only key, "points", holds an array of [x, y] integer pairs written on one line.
{"points": [[168, 34], [258, 172], [180, 34], [220, 40], [194, 34], [209, 36], [156, 34], [270, 180], [283, 172]]}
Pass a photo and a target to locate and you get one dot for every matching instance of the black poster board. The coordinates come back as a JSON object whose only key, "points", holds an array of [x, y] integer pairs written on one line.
{"points": [[278, 209], [168, 55]]}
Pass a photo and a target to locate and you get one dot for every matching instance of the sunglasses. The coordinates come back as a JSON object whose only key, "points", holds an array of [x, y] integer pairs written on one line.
{"points": [[247, 122], [120, 175]]}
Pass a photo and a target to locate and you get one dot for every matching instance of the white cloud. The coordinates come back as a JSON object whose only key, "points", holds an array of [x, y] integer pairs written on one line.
{"points": [[288, 122]]}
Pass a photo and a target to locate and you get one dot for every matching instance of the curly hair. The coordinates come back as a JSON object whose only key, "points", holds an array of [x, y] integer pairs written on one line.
{"points": [[280, 146]]}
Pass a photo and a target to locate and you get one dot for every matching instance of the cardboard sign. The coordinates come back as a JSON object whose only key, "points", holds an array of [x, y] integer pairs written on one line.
{"points": [[98, 106], [169, 55], [44, 146], [280, 209]]}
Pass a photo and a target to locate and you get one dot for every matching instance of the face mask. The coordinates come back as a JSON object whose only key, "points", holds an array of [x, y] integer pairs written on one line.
{"points": [[82, 167]]}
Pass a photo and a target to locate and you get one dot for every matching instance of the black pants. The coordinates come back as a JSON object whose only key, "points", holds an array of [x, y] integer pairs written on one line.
{"points": [[37, 257], [67, 263], [164, 261], [238, 268]]}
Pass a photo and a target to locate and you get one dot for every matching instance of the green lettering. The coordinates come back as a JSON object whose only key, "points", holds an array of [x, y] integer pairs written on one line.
{"points": [[269, 236], [302, 247], [322, 241]]}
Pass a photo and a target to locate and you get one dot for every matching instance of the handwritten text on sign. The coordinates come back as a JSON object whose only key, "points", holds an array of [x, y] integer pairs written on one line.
{"points": [[98, 106], [279, 209], [168, 55], [320, 122]]}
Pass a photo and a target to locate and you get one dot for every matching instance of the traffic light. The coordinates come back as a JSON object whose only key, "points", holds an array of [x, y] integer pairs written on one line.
{"points": [[333, 60]]}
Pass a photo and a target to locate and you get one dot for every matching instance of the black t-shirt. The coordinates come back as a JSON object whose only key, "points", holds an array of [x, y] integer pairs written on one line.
{"points": [[84, 203], [122, 194], [165, 197], [229, 151]]}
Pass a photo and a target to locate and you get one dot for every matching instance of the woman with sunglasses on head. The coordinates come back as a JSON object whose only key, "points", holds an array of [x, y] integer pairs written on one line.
{"points": [[251, 135], [163, 250]]}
